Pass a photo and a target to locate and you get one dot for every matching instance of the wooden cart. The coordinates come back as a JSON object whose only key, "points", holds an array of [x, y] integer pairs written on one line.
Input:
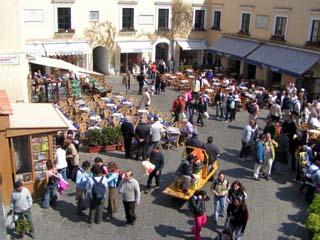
{"points": [[205, 175]]}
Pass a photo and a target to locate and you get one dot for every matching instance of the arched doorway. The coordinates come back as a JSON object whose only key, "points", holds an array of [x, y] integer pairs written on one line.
{"points": [[162, 52], [100, 60]]}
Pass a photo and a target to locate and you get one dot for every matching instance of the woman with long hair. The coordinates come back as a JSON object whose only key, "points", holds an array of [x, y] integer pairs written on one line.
{"points": [[236, 190]]}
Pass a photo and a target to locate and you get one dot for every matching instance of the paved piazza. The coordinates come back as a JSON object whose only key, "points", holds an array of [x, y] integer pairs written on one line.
{"points": [[277, 210]]}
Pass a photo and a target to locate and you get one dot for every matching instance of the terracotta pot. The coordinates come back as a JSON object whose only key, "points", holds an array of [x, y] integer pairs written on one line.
{"points": [[110, 148], [120, 147], [94, 149]]}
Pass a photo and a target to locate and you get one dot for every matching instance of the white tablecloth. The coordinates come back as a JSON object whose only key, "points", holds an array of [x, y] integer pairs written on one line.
{"points": [[80, 102], [105, 99], [173, 130], [95, 118], [184, 81], [93, 127], [117, 115], [110, 105], [119, 97], [85, 109], [127, 103], [143, 111]]}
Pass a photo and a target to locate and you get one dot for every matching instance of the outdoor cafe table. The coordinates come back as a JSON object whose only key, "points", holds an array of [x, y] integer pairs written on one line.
{"points": [[110, 105], [85, 109], [117, 115], [184, 81]]}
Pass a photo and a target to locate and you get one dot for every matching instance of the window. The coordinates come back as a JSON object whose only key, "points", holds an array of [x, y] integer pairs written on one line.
{"points": [[64, 19], [163, 19], [199, 16], [94, 16], [216, 20], [280, 28], [128, 19], [262, 22], [22, 156], [245, 23], [315, 32]]}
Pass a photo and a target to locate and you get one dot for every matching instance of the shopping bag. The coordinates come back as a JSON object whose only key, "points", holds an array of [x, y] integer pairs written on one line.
{"points": [[148, 166], [206, 115], [62, 185]]}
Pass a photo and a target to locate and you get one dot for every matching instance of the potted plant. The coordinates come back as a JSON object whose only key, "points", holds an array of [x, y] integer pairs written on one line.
{"points": [[120, 146], [110, 138], [93, 139]]}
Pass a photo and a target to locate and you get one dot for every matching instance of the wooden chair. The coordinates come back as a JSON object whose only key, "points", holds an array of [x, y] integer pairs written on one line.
{"points": [[152, 109], [96, 97], [106, 113], [164, 116]]}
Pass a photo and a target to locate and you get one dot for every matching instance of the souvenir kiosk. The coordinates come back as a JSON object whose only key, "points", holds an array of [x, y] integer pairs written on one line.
{"points": [[27, 140]]}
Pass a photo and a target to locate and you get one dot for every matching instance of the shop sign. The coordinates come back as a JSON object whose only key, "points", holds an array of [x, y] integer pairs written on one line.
{"points": [[9, 59]]}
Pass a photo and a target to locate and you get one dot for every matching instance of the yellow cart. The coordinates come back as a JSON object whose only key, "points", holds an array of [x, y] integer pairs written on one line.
{"points": [[204, 174]]}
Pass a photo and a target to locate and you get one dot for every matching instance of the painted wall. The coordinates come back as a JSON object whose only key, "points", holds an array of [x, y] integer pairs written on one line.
{"points": [[13, 77]]}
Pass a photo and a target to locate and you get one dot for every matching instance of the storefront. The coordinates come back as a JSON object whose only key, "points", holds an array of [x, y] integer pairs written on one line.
{"points": [[27, 138], [191, 52], [77, 53], [132, 53]]}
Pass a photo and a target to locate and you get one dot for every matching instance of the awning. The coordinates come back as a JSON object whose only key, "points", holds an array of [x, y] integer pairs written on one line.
{"points": [[36, 115], [135, 47], [281, 59], [67, 48], [36, 49], [58, 63], [192, 44], [233, 47]]}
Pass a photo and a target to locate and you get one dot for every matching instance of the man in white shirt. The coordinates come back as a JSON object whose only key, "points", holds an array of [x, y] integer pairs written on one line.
{"points": [[61, 161], [21, 203], [146, 99], [156, 130]]}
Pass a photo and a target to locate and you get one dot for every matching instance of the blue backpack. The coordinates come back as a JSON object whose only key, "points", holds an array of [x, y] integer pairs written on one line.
{"points": [[98, 189]]}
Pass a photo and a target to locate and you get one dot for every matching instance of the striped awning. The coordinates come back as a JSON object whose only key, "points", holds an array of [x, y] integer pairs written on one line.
{"points": [[291, 61], [233, 47]]}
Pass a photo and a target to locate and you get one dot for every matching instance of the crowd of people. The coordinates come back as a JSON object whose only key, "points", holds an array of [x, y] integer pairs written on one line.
{"points": [[284, 140]]}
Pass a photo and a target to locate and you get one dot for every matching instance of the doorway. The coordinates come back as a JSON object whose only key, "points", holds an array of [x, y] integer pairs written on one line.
{"points": [[162, 52], [100, 60], [251, 71]]}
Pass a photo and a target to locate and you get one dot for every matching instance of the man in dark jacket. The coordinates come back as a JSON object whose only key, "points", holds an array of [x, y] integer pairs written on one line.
{"points": [[212, 150], [156, 158], [127, 133], [193, 142], [140, 80], [142, 134], [184, 174]]}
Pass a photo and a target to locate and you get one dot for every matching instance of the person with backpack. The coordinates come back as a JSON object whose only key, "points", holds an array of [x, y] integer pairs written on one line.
{"points": [[198, 209], [81, 179], [231, 105], [130, 191], [98, 186], [219, 188], [52, 179]]}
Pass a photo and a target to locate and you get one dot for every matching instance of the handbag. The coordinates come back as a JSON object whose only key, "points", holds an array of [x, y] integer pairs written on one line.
{"points": [[62, 185], [149, 167]]}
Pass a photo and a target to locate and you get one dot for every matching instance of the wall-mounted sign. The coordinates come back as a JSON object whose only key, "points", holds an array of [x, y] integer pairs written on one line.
{"points": [[145, 19], [33, 15], [9, 59]]}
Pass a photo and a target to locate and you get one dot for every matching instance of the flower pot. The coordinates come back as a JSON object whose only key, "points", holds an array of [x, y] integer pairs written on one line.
{"points": [[94, 149], [120, 147], [110, 148]]}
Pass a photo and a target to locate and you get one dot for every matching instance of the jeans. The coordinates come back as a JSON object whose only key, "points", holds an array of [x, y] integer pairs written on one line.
{"points": [[267, 166], [63, 172], [130, 208], [228, 114], [50, 196], [200, 221], [219, 110], [200, 118], [191, 113], [153, 175], [245, 149], [96, 210], [219, 206], [81, 198], [236, 231]]}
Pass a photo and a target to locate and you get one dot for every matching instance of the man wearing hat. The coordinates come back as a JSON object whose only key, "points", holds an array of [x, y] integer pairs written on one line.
{"points": [[184, 174], [21, 202]]}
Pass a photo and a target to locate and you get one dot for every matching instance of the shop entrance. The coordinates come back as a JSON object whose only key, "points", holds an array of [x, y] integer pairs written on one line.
{"points": [[162, 52], [100, 60], [251, 71], [275, 79]]}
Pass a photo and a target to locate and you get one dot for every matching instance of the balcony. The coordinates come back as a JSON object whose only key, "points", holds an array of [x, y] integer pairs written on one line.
{"points": [[64, 33], [278, 38]]}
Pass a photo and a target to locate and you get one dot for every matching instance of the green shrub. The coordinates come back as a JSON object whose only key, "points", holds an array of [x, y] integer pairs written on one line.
{"points": [[316, 236], [315, 205], [93, 138], [313, 223], [110, 135]]}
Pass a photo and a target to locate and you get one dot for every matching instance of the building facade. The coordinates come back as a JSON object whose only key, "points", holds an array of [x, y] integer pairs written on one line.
{"points": [[114, 36]]}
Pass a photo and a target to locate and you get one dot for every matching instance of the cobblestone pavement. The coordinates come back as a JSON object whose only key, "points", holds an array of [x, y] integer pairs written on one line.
{"points": [[277, 211]]}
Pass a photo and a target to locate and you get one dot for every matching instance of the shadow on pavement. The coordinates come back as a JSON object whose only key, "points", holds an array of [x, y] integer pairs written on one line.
{"points": [[168, 231], [69, 211]]}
